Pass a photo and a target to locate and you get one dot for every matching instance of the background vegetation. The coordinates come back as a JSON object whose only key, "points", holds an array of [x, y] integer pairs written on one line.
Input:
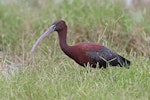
{"points": [[49, 74]]}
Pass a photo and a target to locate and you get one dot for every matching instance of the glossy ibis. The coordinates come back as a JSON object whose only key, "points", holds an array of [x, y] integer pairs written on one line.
{"points": [[84, 53]]}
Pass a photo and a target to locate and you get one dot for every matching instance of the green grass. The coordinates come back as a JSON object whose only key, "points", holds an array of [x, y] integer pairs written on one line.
{"points": [[50, 74], [67, 80]]}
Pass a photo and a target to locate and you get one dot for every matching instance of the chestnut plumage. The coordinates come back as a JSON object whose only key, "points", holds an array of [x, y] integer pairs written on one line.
{"points": [[84, 53]]}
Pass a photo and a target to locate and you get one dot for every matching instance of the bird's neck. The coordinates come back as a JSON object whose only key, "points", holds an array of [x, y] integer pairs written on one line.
{"points": [[62, 42]]}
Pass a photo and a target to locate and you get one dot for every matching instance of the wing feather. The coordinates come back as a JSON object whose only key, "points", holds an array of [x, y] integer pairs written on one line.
{"points": [[105, 55]]}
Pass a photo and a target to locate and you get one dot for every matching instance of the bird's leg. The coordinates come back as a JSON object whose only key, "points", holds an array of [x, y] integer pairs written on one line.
{"points": [[88, 66]]}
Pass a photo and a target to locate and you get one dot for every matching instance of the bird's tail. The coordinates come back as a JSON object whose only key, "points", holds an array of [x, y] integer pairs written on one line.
{"points": [[124, 62]]}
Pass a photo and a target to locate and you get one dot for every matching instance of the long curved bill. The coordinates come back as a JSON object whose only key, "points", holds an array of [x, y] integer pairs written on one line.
{"points": [[45, 34]]}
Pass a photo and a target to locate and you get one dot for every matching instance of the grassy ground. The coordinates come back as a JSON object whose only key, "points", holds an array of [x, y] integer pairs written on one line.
{"points": [[50, 74]]}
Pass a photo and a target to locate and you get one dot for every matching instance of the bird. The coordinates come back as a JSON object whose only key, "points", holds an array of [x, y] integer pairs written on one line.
{"points": [[84, 53]]}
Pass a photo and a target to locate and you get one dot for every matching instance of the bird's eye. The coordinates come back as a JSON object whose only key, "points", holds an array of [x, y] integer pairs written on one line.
{"points": [[57, 28]]}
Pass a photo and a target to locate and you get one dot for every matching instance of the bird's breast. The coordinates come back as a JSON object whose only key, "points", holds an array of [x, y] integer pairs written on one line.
{"points": [[79, 53], [81, 58]]}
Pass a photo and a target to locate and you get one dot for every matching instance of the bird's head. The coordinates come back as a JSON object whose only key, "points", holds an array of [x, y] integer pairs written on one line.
{"points": [[58, 26]]}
